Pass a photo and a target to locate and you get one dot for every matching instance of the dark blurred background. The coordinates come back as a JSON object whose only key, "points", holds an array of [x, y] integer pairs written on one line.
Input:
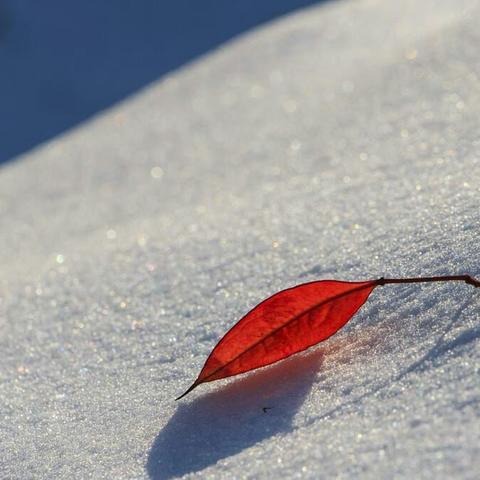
{"points": [[62, 61]]}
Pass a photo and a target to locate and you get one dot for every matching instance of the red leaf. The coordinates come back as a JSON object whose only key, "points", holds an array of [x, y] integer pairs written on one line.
{"points": [[285, 323], [292, 320]]}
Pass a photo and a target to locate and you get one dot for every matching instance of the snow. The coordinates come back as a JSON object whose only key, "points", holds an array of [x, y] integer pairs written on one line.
{"points": [[339, 142]]}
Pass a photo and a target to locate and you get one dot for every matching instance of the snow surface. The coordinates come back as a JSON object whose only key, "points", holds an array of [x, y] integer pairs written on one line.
{"points": [[340, 142]]}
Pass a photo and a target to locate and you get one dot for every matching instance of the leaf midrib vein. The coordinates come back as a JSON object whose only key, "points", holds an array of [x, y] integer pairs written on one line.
{"points": [[293, 319]]}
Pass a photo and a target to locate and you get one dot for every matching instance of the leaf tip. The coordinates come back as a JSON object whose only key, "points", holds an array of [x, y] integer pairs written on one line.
{"points": [[194, 385]]}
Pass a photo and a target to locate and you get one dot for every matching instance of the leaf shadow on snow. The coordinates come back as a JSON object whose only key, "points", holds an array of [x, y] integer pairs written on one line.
{"points": [[230, 419]]}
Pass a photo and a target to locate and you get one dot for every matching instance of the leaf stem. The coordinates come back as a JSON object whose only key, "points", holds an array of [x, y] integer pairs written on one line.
{"points": [[448, 278]]}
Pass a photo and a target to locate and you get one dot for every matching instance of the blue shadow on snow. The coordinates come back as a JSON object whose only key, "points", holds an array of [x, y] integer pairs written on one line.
{"points": [[62, 61]]}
